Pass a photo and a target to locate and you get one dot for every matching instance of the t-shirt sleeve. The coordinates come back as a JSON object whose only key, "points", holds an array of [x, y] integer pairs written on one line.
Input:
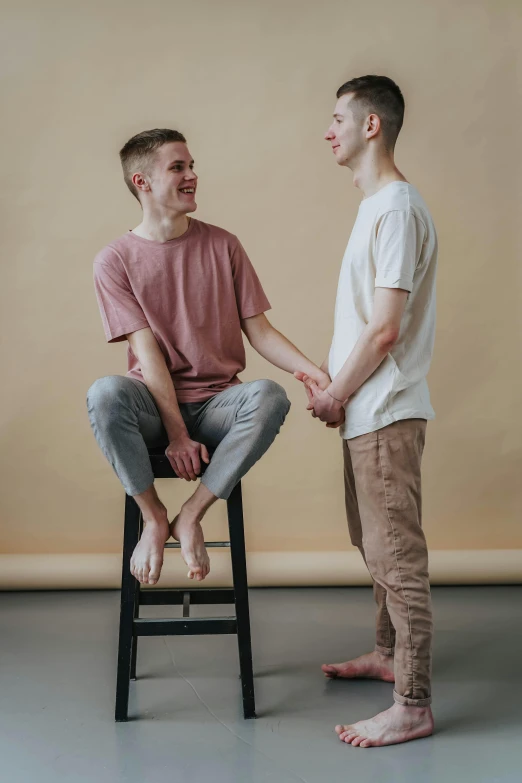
{"points": [[250, 297], [120, 310], [398, 247]]}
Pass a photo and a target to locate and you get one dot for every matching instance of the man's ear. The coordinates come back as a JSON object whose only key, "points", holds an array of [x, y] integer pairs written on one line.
{"points": [[140, 182], [373, 126]]}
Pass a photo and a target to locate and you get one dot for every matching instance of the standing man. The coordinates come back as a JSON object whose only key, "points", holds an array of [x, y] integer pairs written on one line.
{"points": [[181, 291], [379, 358]]}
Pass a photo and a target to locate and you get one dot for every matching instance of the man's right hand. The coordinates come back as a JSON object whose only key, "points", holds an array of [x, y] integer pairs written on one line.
{"points": [[336, 424], [185, 456]]}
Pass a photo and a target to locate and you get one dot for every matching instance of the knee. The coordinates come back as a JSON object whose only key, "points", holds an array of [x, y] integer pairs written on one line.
{"points": [[271, 397], [105, 397]]}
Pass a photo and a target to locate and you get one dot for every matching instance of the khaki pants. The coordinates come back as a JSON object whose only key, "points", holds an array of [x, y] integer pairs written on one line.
{"points": [[383, 504]]}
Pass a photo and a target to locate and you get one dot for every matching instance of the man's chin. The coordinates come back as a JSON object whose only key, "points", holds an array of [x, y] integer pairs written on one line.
{"points": [[187, 208]]}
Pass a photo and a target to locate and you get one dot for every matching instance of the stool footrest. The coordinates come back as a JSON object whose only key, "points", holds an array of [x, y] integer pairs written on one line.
{"points": [[177, 545], [184, 626], [174, 596]]}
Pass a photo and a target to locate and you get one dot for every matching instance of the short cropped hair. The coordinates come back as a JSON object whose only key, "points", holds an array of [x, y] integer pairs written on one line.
{"points": [[377, 95], [138, 152]]}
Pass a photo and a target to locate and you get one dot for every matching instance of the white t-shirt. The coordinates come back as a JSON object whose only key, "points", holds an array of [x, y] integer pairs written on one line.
{"points": [[393, 245]]}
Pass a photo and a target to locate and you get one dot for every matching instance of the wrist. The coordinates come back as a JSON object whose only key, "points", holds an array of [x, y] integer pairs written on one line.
{"points": [[318, 375], [176, 431], [336, 399]]}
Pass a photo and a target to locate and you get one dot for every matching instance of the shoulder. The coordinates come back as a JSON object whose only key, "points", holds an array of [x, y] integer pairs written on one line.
{"points": [[400, 203], [113, 253], [396, 197], [209, 232]]}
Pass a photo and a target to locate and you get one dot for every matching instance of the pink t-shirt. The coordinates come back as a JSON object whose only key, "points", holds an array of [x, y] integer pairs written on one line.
{"points": [[192, 292]]}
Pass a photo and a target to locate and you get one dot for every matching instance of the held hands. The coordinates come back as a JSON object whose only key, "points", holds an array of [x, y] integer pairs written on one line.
{"points": [[185, 456], [323, 406]]}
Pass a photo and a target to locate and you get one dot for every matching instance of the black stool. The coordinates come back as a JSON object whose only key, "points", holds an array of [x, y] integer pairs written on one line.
{"points": [[132, 597]]}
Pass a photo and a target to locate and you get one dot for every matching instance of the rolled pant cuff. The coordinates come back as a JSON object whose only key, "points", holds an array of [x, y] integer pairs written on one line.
{"points": [[411, 702], [222, 492], [384, 650], [138, 489]]}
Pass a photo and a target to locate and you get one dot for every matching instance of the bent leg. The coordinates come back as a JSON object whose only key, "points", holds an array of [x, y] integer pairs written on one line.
{"points": [[240, 423], [125, 422]]}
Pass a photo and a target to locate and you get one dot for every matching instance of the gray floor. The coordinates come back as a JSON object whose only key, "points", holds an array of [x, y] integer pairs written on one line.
{"points": [[57, 671]]}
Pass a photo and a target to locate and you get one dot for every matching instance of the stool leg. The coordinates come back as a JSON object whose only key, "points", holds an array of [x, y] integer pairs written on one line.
{"points": [[129, 588], [239, 575]]}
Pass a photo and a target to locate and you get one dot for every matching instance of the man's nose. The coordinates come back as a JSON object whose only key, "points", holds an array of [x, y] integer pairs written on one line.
{"points": [[329, 135]]}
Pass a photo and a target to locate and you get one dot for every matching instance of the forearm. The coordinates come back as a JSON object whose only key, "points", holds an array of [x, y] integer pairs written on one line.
{"points": [[280, 352], [368, 353], [159, 382]]}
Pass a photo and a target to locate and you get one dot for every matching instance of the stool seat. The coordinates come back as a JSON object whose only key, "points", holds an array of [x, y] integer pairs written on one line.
{"points": [[159, 461], [133, 596]]}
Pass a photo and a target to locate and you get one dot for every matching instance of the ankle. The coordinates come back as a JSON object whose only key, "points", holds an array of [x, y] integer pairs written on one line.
{"points": [[192, 512], [156, 518], [383, 657]]}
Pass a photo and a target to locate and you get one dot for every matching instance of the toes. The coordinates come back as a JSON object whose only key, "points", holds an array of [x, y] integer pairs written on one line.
{"points": [[155, 571], [357, 741], [196, 572], [339, 729], [366, 743], [329, 671]]}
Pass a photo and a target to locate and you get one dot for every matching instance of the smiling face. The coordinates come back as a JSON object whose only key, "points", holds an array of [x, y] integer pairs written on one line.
{"points": [[170, 181], [346, 134]]}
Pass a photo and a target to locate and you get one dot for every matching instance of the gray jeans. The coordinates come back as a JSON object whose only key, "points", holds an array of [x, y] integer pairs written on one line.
{"points": [[238, 424]]}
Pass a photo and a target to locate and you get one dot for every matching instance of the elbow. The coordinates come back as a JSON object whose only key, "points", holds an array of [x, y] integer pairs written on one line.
{"points": [[385, 338], [257, 338], [252, 338]]}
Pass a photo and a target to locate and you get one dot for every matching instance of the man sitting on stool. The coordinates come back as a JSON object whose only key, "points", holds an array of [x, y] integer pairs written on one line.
{"points": [[180, 291]]}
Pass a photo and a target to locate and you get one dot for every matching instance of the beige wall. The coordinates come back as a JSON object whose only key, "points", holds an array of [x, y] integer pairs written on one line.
{"points": [[252, 85]]}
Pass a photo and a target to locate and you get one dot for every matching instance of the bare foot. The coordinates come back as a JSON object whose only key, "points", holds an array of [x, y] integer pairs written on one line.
{"points": [[147, 558], [188, 531], [398, 724], [373, 666]]}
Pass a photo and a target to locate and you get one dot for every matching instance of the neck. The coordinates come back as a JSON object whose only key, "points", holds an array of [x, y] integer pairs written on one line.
{"points": [[375, 170], [161, 226]]}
